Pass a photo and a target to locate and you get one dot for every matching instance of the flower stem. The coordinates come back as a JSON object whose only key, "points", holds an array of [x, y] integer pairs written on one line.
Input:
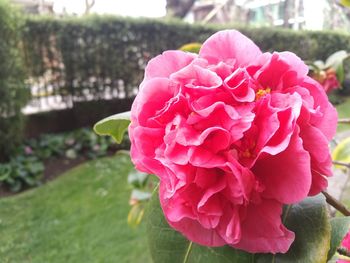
{"points": [[343, 252], [345, 121], [336, 204], [347, 165], [189, 248]]}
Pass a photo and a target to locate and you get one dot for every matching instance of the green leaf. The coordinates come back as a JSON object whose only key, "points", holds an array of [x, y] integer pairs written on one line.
{"points": [[5, 172], [340, 226], [71, 154], [140, 195], [308, 219], [319, 64], [336, 59], [137, 179], [114, 126], [345, 3], [191, 47], [340, 73], [136, 214], [168, 245], [310, 222], [341, 152]]}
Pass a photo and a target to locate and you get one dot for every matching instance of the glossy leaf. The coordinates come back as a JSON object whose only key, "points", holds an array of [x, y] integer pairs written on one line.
{"points": [[340, 226], [345, 3], [310, 222], [308, 219], [340, 73], [135, 215], [140, 195], [191, 47], [115, 126], [137, 179], [336, 59], [341, 153]]}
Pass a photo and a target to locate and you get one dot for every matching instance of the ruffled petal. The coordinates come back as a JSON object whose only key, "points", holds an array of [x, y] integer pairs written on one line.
{"points": [[229, 46], [263, 231], [287, 175], [167, 63]]}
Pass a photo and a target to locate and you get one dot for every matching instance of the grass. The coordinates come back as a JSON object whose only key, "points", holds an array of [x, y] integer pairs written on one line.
{"points": [[80, 217]]}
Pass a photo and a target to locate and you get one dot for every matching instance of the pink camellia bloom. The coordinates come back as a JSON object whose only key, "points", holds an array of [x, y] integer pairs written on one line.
{"points": [[233, 134], [328, 79], [331, 82], [345, 244]]}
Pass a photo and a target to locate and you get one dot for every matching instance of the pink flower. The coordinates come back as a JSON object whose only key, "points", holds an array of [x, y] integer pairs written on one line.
{"points": [[328, 79], [28, 150], [345, 244], [233, 134], [331, 82]]}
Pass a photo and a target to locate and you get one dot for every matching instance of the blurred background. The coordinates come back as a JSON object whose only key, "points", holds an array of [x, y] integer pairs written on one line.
{"points": [[67, 194]]}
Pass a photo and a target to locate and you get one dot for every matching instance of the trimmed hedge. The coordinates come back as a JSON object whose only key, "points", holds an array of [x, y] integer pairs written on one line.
{"points": [[83, 114], [84, 58], [13, 94]]}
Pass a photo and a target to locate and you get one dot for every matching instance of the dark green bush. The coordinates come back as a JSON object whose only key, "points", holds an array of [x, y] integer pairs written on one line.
{"points": [[12, 89], [26, 167], [88, 56]]}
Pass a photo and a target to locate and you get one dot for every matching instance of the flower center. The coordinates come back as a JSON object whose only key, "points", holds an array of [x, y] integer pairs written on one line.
{"points": [[261, 93], [248, 152]]}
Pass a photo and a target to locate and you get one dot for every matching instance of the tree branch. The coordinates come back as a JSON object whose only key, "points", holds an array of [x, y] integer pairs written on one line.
{"points": [[344, 121], [347, 165], [336, 204]]}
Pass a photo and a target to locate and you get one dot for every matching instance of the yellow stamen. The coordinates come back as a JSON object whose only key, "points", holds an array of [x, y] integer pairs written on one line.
{"points": [[246, 154], [261, 93]]}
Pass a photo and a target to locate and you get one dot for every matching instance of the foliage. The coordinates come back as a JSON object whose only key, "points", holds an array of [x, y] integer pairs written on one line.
{"points": [[191, 47], [341, 152], [13, 93], [343, 110], [25, 168], [308, 219], [89, 57], [317, 237], [79, 217], [340, 226], [330, 74], [142, 185], [345, 3], [114, 126], [21, 171]]}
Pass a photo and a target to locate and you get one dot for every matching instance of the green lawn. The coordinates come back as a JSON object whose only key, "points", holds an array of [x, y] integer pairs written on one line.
{"points": [[80, 217]]}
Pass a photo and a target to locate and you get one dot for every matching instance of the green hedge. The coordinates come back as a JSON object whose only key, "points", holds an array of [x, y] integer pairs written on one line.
{"points": [[93, 55], [12, 89]]}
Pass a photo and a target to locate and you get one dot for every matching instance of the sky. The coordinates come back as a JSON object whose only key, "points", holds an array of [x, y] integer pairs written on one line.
{"points": [[135, 8]]}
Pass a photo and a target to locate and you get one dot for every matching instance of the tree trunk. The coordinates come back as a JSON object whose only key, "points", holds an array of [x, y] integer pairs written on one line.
{"points": [[287, 8], [88, 5], [179, 8]]}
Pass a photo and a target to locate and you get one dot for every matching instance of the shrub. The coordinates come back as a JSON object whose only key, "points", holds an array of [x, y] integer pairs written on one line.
{"points": [[25, 168], [13, 93], [84, 58]]}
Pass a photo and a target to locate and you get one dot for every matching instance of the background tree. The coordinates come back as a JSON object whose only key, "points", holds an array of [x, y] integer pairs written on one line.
{"points": [[178, 8], [88, 5]]}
